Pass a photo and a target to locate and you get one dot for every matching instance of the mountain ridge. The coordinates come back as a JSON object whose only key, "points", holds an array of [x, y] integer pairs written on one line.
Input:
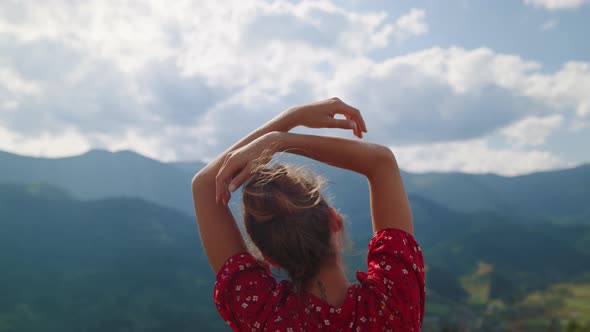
{"points": [[557, 196], [98, 151]]}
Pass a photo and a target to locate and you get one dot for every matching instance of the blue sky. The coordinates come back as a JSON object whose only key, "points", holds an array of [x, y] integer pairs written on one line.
{"points": [[510, 27], [471, 86]]}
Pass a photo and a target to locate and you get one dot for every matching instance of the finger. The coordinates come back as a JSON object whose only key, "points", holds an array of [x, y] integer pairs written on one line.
{"points": [[359, 128], [359, 118], [227, 194], [363, 124], [219, 192], [221, 180], [356, 131], [344, 124], [239, 179], [352, 113]]}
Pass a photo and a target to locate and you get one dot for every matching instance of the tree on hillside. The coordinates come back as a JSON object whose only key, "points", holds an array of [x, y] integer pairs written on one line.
{"points": [[574, 326]]}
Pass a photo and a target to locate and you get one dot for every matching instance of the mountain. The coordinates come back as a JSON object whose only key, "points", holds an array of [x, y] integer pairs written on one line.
{"points": [[119, 264], [189, 167], [125, 264], [101, 174], [560, 195], [555, 196]]}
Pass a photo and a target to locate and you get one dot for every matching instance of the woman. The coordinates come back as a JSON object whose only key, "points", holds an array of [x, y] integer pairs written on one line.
{"points": [[294, 228]]}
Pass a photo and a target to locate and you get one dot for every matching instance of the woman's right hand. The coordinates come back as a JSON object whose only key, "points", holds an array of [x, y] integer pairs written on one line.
{"points": [[240, 163], [321, 115]]}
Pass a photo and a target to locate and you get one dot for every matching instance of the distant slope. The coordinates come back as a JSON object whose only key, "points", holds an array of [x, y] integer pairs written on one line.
{"points": [[108, 265], [189, 167], [101, 174], [561, 194], [557, 195]]}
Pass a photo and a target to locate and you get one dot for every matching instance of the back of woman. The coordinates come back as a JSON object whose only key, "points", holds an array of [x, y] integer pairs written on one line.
{"points": [[292, 226], [390, 297]]}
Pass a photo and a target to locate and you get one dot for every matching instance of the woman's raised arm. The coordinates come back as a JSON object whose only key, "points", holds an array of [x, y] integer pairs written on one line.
{"points": [[219, 233], [389, 203]]}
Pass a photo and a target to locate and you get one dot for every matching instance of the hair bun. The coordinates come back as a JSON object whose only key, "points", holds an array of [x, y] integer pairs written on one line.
{"points": [[281, 191]]}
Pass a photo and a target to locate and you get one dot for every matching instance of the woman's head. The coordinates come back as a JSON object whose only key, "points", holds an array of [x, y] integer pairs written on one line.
{"points": [[289, 221]]}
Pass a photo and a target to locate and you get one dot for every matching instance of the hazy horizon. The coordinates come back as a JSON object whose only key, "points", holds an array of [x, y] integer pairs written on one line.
{"points": [[204, 162]]}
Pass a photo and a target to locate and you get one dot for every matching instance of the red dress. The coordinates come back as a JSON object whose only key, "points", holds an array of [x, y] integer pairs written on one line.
{"points": [[389, 297]]}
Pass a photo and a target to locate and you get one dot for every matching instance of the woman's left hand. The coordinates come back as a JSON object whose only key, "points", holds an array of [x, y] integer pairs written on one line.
{"points": [[240, 163], [322, 115]]}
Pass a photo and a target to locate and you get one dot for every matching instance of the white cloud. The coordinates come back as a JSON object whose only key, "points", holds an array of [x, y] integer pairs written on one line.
{"points": [[67, 143], [284, 42], [579, 125], [125, 33], [258, 46], [14, 83], [550, 25], [474, 156], [413, 23], [556, 4], [532, 130], [9, 105], [567, 87], [468, 70], [185, 81], [152, 146], [162, 144], [474, 70], [125, 69], [135, 33], [450, 94]]}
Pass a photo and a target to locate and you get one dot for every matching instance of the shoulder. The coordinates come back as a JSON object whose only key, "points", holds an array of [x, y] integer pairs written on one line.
{"points": [[242, 274], [246, 294], [395, 276], [396, 243], [242, 263], [394, 255]]}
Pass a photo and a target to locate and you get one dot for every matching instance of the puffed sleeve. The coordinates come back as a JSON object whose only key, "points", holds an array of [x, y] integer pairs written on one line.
{"points": [[395, 275], [242, 288]]}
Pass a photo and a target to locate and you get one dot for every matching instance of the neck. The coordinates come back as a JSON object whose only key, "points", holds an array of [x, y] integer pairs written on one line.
{"points": [[330, 284]]}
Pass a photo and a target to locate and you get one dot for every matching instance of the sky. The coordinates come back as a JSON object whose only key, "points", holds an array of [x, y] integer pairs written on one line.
{"points": [[469, 86]]}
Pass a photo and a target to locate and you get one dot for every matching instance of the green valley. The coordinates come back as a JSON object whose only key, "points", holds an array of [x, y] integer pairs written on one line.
{"points": [[100, 242]]}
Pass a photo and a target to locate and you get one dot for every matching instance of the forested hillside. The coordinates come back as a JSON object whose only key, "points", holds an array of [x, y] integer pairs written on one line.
{"points": [[108, 241]]}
